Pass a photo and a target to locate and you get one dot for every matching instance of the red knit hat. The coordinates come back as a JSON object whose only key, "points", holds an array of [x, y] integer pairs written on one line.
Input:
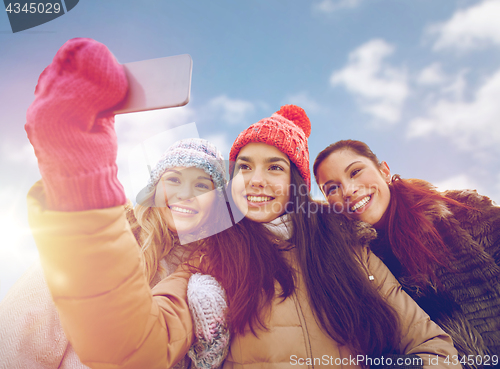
{"points": [[287, 130]]}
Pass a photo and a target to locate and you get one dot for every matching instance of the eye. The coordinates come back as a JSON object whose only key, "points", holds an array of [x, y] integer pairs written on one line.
{"points": [[203, 186], [331, 190], [354, 172], [242, 166], [276, 167], [172, 179]]}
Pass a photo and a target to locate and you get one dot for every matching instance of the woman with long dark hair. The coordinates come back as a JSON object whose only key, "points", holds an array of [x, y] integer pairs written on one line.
{"points": [[270, 186], [297, 292], [444, 248]]}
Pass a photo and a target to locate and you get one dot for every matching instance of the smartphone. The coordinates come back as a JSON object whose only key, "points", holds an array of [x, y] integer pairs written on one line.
{"points": [[157, 84]]}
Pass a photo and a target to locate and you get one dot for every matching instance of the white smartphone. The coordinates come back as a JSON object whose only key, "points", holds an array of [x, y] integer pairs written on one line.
{"points": [[157, 84]]}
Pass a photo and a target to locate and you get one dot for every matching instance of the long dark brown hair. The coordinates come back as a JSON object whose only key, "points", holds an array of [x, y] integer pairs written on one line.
{"points": [[248, 260], [243, 258], [338, 289], [412, 236]]}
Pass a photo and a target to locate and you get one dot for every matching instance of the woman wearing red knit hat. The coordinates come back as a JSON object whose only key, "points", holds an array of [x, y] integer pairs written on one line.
{"points": [[297, 294], [325, 294]]}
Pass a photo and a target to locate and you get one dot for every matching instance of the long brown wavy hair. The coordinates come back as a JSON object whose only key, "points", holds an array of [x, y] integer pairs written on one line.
{"points": [[338, 289], [412, 236], [249, 263], [242, 258], [156, 240]]}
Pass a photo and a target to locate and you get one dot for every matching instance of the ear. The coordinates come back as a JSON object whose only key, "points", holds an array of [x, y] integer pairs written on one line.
{"points": [[386, 172]]}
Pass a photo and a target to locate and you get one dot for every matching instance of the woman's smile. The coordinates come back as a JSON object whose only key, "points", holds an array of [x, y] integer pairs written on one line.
{"points": [[189, 197], [355, 185], [260, 187]]}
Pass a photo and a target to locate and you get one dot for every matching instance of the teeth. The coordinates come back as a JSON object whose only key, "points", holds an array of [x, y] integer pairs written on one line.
{"points": [[182, 210], [259, 198], [360, 203]]}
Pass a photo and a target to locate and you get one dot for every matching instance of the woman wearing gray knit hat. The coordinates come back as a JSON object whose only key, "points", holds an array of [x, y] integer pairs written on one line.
{"points": [[180, 203], [181, 188]]}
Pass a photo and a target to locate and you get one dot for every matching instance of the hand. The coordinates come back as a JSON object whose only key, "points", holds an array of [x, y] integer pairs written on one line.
{"points": [[75, 142], [207, 303]]}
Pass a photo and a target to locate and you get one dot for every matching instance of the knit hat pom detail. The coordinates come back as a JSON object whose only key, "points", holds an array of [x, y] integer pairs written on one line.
{"points": [[297, 115]]}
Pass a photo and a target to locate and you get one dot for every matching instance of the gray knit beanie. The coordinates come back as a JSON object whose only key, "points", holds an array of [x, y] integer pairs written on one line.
{"points": [[191, 152]]}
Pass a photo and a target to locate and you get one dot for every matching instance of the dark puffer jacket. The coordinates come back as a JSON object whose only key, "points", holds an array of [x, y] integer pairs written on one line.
{"points": [[467, 304]]}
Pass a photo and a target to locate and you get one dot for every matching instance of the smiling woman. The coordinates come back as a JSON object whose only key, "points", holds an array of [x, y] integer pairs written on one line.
{"points": [[183, 201], [444, 248], [182, 204], [354, 185], [185, 189], [189, 193], [323, 286], [267, 170], [176, 209]]}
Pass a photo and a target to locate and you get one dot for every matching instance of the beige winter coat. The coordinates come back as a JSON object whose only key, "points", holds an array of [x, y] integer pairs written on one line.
{"points": [[112, 319]]}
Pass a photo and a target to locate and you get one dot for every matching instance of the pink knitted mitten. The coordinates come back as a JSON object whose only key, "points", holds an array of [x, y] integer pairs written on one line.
{"points": [[76, 146]]}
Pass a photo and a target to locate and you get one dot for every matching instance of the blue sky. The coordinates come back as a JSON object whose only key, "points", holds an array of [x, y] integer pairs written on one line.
{"points": [[419, 81]]}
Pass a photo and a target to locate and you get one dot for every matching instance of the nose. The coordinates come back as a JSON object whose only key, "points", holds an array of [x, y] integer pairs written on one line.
{"points": [[185, 193], [349, 189], [257, 179]]}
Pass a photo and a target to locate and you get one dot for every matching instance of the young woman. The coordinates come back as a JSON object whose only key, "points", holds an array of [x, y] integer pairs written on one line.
{"points": [[271, 183], [297, 294], [444, 248], [179, 202]]}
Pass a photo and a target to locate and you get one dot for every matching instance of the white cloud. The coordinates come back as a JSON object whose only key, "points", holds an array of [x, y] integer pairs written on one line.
{"points": [[431, 75], [221, 141], [17, 250], [469, 28], [140, 126], [471, 125], [15, 258], [457, 182], [233, 111], [18, 154], [329, 6], [303, 100], [495, 195], [458, 86], [381, 88], [464, 181]]}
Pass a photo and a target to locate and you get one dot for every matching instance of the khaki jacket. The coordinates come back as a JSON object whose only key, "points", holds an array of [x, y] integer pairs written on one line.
{"points": [[113, 320]]}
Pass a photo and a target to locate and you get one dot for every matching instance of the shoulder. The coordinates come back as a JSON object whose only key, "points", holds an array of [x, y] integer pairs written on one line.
{"points": [[423, 197], [471, 198], [360, 231], [476, 209], [465, 205], [365, 233]]}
